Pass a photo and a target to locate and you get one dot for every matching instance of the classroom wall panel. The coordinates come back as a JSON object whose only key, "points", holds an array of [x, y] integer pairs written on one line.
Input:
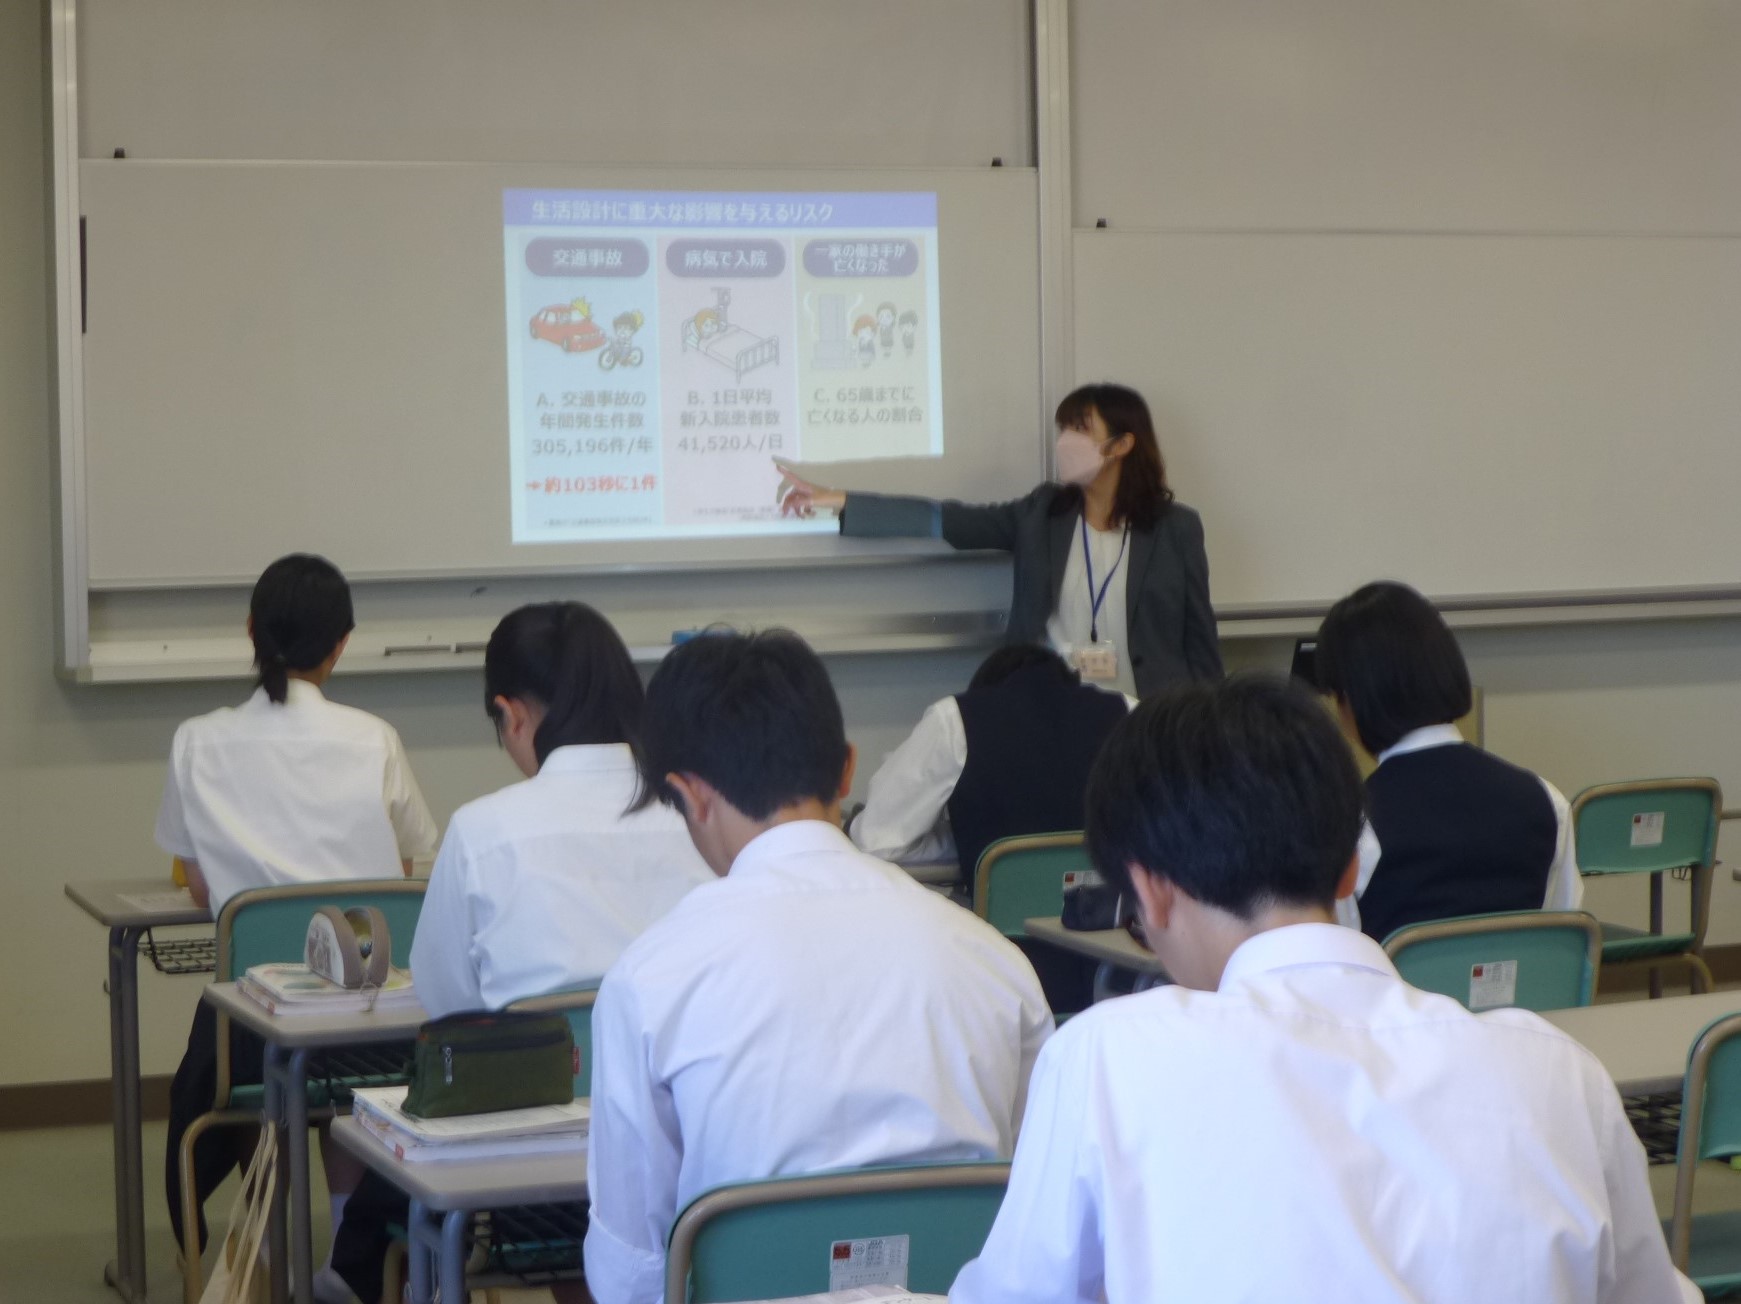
{"points": [[754, 82], [1477, 415], [1360, 115]]}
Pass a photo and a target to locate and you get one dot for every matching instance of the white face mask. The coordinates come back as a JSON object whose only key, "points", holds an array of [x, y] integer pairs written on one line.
{"points": [[1077, 457]]}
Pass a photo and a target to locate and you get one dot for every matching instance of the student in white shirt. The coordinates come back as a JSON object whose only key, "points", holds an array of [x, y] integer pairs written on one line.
{"points": [[1451, 830], [286, 788], [538, 887], [813, 1007], [1293, 1121]]}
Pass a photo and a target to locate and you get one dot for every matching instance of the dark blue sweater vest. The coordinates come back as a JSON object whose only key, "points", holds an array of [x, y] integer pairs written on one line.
{"points": [[1460, 832], [1031, 741]]}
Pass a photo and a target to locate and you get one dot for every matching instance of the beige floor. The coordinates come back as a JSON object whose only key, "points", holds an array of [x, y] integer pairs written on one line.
{"points": [[57, 1219], [57, 1216]]}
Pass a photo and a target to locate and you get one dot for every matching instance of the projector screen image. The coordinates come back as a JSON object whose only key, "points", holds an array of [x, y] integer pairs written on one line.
{"points": [[664, 347]]}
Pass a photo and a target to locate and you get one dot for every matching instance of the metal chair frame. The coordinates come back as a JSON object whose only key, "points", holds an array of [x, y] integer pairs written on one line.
{"points": [[1705, 1046], [1703, 873]]}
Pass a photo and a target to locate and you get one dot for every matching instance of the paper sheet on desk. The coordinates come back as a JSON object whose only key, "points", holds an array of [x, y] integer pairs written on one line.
{"points": [[176, 898]]}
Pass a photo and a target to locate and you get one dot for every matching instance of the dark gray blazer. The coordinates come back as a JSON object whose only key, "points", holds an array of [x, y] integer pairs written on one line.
{"points": [[1168, 619]]}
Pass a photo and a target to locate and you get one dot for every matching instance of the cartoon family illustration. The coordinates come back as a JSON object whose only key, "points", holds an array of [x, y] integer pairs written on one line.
{"points": [[872, 335], [571, 328]]}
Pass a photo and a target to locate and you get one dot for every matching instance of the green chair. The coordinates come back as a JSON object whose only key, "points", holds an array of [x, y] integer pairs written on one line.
{"points": [[769, 1240], [1707, 1247], [1654, 827], [577, 1005], [267, 926], [1018, 879], [1556, 954]]}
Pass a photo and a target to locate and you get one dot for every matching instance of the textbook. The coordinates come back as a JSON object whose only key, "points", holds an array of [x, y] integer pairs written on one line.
{"points": [[506, 1134], [296, 989]]}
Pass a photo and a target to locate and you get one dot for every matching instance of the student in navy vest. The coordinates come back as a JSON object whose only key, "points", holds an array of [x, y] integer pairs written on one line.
{"points": [[1109, 569], [1451, 830], [1009, 756]]}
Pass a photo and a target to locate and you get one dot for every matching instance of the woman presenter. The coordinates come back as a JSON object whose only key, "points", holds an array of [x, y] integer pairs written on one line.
{"points": [[1109, 570]]}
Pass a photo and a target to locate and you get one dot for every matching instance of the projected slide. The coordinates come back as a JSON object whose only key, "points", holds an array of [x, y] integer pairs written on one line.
{"points": [[665, 346]]}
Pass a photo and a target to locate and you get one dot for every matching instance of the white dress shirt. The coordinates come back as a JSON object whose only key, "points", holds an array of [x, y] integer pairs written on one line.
{"points": [[540, 886], [1319, 1131], [1565, 889], [814, 1009], [306, 791], [905, 816], [1072, 622]]}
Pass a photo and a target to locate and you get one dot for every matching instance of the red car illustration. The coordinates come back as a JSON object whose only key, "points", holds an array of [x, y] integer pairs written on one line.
{"points": [[569, 326]]}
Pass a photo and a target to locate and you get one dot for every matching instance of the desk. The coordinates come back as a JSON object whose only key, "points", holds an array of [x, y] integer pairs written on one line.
{"points": [[105, 900], [445, 1195], [1111, 946], [1644, 1044], [289, 1039]]}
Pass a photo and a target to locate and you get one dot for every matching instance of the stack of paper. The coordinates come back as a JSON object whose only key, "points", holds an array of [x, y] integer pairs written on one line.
{"points": [[507, 1134], [296, 989]]}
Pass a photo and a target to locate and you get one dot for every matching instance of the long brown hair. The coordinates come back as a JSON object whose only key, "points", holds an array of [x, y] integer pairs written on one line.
{"points": [[1142, 494]]}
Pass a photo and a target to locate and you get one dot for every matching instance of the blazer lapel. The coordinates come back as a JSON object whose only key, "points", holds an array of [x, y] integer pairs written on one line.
{"points": [[1060, 533], [1142, 552]]}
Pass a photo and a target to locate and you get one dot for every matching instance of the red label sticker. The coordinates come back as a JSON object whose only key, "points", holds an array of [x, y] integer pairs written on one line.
{"points": [[842, 1249], [577, 1061]]}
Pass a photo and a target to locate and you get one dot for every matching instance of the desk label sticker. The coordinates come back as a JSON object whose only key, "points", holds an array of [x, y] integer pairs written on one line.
{"points": [[1074, 878], [1647, 828], [874, 1261], [1493, 984]]}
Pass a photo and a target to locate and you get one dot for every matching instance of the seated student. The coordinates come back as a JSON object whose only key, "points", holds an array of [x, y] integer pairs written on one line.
{"points": [[1293, 1121], [813, 1008], [1452, 830], [539, 887], [1009, 756], [286, 788]]}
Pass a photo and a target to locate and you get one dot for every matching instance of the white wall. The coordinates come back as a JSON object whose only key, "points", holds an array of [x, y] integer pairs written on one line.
{"points": [[80, 768]]}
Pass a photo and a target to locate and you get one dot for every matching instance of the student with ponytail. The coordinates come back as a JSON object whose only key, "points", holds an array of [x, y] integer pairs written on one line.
{"points": [[285, 788], [539, 887]]}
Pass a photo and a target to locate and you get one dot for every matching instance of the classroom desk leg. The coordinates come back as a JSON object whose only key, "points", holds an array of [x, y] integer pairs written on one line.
{"points": [[127, 1273], [451, 1283], [277, 1239], [301, 1219], [419, 1253]]}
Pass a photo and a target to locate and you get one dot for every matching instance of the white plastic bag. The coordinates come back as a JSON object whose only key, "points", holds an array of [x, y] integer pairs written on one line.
{"points": [[238, 1277]]}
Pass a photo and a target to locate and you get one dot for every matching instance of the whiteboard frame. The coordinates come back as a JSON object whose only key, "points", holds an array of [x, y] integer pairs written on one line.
{"points": [[74, 625]]}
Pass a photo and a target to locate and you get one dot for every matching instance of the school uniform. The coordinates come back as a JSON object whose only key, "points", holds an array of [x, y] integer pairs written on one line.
{"points": [[537, 888], [1453, 830], [1317, 1130], [814, 1009], [266, 794]]}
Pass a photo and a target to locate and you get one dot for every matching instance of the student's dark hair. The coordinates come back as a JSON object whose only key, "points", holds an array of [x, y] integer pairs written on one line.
{"points": [[1013, 658], [1243, 794], [752, 714], [569, 660], [1387, 652], [1142, 494], [299, 612]]}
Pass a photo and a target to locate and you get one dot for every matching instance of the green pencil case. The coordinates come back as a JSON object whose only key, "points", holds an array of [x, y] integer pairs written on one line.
{"points": [[484, 1063]]}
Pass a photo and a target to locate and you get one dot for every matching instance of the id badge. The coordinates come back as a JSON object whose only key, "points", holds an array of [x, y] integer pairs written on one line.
{"points": [[1097, 662]]}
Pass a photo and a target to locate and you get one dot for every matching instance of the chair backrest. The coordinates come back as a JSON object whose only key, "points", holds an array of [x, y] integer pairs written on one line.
{"points": [[1710, 1124], [1646, 826], [268, 925], [770, 1240], [577, 1005], [1532, 959], [1019, 878]]}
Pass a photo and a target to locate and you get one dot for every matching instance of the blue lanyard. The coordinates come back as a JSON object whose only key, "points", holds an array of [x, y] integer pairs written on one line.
{"points": [[1097, 598]]}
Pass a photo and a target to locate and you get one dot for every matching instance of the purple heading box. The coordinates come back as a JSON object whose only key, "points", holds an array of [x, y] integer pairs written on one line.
{"points": [[721, 210]]}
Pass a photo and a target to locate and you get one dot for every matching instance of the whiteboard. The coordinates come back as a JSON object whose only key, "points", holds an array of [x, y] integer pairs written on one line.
{"points": [[309, 356], [1476, 415]]}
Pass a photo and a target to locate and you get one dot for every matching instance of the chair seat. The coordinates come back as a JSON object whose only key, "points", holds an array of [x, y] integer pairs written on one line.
{"points": [[1715, 1261], [1620, 942]]}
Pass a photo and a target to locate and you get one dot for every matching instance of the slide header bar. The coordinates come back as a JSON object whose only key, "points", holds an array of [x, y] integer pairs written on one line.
{"points": [[747, 210]]}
